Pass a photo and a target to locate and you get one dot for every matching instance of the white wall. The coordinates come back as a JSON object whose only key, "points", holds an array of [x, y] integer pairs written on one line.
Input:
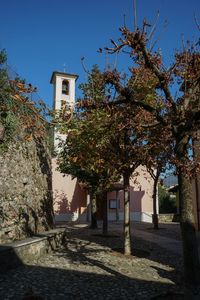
{"points": [[70, 99]]}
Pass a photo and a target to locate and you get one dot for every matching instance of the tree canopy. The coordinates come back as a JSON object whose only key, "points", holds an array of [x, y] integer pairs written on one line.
{"points": [[19, 110], [166, 101]]}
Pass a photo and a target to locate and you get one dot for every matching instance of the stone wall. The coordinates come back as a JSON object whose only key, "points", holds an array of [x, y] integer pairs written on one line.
{"points": [[168, 218], [26, 204]]}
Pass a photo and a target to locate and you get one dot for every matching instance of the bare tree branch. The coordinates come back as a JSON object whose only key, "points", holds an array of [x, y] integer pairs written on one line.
{"points": [[154, 27], [196, 21], [124, 20], [135, 14], [159, 74], [159, 36]]}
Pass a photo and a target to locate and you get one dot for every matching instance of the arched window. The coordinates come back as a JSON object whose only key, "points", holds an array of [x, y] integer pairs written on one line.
{"points": [[65, 87]]}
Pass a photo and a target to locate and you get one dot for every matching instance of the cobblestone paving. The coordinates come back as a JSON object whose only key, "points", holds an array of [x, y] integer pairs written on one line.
{"points": [[90, 266]]}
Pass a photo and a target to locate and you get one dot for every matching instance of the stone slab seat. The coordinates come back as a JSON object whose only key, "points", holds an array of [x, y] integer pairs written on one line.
{"points": [[21, 252]]}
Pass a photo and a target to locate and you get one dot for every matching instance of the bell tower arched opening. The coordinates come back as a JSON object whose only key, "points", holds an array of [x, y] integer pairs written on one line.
{"points": [[65, 87]]}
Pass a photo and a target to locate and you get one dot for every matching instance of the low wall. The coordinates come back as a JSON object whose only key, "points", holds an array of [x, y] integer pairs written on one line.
{"points": [[134, 216], [167, 218], [21, 252]]}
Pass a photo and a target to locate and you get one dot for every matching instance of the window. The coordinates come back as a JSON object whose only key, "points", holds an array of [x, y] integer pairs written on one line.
{"points": [[112, 203], [65, 87]]}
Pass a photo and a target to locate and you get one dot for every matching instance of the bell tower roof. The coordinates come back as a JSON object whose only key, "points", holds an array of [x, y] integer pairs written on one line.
{"points": [[67, 75]]}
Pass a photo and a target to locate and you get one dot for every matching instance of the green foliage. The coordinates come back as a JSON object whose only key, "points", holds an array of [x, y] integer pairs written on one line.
{"points": [[4, 83], [94, 88], [50, 138], [102, 143], [84, 153], [3, 56], [144, 85], [8, 119], [167, 203], [10, 123], [17, 109]]}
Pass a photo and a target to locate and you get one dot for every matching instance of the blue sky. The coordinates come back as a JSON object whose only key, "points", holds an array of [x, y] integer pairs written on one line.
{"points": [[40, 36]]}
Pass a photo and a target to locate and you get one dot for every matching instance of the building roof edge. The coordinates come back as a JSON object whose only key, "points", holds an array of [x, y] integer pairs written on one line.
{"points": [[62, 74]]}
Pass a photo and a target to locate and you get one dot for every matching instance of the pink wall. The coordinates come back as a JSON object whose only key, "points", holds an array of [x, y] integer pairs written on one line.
{"points": [[144, 184], [69, 197], [141, 189]]}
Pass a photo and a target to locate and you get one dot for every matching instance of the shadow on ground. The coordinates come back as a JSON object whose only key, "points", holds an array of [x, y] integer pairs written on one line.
{"points": [[30, 282], [68, 281], [114, 241]]}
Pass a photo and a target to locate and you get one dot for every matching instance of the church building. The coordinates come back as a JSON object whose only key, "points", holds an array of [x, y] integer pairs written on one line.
{"points": [[70, 199]]}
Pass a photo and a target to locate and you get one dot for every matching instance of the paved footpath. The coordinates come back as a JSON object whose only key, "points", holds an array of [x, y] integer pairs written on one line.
{"points": [[90, 266]]}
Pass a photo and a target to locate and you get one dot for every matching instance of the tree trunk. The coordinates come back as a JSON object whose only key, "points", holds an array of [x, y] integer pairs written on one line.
{"points": [[105, 213], [190, 245], [127, 232], [154, 196], [88, 216], [93, 212]]}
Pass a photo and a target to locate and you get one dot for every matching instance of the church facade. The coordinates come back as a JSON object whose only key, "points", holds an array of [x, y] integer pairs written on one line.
{"points": [[71, 202]]}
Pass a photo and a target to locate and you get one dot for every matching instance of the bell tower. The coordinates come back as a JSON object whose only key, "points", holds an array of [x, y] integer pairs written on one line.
{"points": [[63, 95], [64, 89], [69, 198]]}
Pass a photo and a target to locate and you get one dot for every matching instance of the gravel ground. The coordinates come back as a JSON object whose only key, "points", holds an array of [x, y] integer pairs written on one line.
{"points": [[90, 266]]}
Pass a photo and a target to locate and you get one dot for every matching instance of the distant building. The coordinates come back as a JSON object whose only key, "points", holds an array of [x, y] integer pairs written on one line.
{"points": [[170, 181]]}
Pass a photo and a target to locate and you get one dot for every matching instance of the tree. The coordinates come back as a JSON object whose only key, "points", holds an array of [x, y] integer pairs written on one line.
{"points": [[89, 136], [179, 118], [106, 133], [17, 108], [83, 154], [94, 88]]}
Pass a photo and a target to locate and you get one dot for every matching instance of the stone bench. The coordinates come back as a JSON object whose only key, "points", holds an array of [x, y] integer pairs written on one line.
{"points": [[21, 252]]}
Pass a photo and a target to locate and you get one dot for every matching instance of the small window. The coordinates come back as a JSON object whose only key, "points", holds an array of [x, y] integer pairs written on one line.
{"points": [[65, 87], [113, 203]]}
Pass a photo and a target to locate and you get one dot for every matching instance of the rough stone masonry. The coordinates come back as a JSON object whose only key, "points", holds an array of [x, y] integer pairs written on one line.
{"points": [[26, 203]]}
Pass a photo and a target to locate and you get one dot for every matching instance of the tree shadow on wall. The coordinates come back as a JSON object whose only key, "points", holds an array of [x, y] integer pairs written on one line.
{"points": [[64, 206], [62, 203], [136, 199], [78, 199]]}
